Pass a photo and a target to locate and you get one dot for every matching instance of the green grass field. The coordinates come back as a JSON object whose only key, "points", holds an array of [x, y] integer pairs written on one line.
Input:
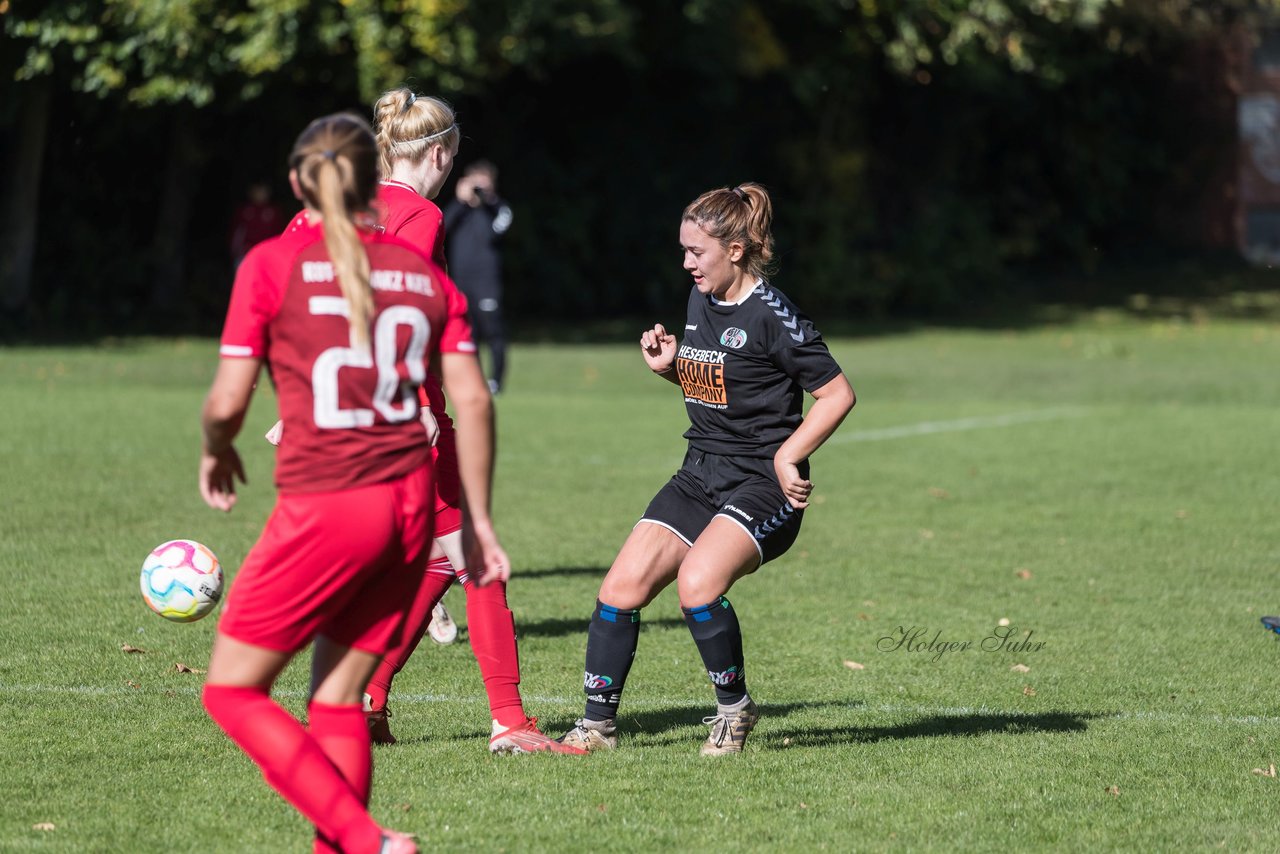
{"points": [[1109, 485]]}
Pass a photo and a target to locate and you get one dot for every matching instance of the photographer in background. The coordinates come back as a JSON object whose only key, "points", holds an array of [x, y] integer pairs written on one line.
{"points": [[475, 222]]}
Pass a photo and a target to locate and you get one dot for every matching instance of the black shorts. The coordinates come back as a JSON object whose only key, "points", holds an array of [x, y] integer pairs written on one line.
{"points": [[742, 489]]}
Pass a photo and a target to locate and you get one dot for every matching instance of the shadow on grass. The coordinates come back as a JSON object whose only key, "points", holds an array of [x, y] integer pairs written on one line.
{"points": [[560, 571], [939, 726], [654, 727], [658, 726], [561, 626], [654, 724]]}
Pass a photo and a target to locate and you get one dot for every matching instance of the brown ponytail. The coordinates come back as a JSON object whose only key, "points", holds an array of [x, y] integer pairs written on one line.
{"points": [[742, 214], [335, 158]]}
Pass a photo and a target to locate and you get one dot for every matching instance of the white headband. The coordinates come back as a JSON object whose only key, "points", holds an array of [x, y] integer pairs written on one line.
{"points": [[427, 138]]}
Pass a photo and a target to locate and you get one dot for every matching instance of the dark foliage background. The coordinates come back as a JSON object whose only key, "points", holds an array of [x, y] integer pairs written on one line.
{"points": [[916, 171]]}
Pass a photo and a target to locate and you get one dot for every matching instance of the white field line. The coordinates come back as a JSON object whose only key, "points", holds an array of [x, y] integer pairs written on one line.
{"points": [[667, 702], [957, 425]]}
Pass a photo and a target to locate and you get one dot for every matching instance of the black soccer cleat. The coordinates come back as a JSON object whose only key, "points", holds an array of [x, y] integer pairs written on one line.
{"points": [[1272, 623]]}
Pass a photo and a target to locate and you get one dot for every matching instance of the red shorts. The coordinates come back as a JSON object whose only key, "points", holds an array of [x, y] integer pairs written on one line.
{"points": [[343, 564], [448, 485]]}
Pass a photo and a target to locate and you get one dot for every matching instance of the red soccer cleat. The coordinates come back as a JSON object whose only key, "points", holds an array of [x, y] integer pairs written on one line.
{"points": [[527, 738], [379, 729]]}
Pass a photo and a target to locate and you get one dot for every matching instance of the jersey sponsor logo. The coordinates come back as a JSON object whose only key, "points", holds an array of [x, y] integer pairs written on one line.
{"points": [[592, 682], [739, 512], [317, 271], [703, 381], [714, 356], [692, 327], [734, 338], [400, 281], [725, 677]]}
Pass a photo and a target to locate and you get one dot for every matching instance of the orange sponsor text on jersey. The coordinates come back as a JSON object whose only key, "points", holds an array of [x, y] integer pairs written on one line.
{"points": [[702, 381]]}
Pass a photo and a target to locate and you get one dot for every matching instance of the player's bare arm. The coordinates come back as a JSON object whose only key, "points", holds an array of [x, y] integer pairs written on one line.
{"points": [[831, 403], [465, 385], [221, 420]]}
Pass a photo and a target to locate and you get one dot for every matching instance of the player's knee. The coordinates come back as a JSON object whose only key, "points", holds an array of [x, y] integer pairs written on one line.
{"points": [[698, 585], [624, 591]]}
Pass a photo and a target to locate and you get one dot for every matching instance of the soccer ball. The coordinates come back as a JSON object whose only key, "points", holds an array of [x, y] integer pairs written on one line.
{"points": [[181, 580]]}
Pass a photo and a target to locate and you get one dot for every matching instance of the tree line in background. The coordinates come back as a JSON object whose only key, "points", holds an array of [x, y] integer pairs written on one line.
{"points": [[925, 156]]}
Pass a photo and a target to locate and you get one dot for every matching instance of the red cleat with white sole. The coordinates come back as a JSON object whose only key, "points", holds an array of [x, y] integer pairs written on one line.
{"points": [[527, 738]]}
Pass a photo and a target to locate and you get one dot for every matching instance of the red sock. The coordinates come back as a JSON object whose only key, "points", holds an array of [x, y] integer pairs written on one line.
{"points": [[294, 764], [344, 737], [434, 584], [493, 640]]}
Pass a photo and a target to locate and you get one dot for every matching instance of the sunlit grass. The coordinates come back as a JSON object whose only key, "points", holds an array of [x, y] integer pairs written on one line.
{"points": [[1109, 486]]}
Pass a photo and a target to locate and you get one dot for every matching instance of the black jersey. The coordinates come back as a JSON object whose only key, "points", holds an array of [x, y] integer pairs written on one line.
{"points": [[473, 237], [744, 369]]}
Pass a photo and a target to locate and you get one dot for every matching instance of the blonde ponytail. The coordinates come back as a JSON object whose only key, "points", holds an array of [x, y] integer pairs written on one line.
{"points": [[408, 125], [350, 262], [335, 160]]}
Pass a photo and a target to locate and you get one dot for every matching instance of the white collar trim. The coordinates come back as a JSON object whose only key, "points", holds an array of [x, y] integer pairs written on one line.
{"points": [[740, 300]]}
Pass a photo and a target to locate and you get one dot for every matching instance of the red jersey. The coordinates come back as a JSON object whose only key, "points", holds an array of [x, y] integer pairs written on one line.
{"points": [[410, 217], [351, 414], [300, 228], [402, 212]]}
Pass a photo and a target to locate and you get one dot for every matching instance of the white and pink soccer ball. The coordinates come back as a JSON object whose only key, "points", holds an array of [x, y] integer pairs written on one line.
{"points": [[181, 580]]}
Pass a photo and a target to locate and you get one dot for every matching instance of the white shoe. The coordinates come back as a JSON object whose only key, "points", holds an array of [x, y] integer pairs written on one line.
{"points": [[442, 628], [729, 729], [591, 735]]}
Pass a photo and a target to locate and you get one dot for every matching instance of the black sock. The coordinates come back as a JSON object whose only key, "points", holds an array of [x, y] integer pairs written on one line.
{"points": [[611, 646], [715, 630]]}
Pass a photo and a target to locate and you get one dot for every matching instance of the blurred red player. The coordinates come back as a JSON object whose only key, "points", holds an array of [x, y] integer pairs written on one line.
{"points": [[344, 319], [256, 220]]}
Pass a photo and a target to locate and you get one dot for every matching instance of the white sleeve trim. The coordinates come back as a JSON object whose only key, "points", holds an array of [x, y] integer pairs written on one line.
{"points": [[238, 350]]}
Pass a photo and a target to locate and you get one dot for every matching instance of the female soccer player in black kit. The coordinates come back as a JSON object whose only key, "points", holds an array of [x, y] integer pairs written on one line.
{"points": [[747, 357]]}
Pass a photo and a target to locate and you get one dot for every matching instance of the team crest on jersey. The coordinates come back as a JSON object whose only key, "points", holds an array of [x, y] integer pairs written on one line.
{"points": [[733, 338]]}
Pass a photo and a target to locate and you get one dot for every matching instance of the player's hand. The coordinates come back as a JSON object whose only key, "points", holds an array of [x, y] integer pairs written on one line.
{"points": [[218, 474], [486, 560], [794, 487], [432, 426], [276, 433], [658, 346]]}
